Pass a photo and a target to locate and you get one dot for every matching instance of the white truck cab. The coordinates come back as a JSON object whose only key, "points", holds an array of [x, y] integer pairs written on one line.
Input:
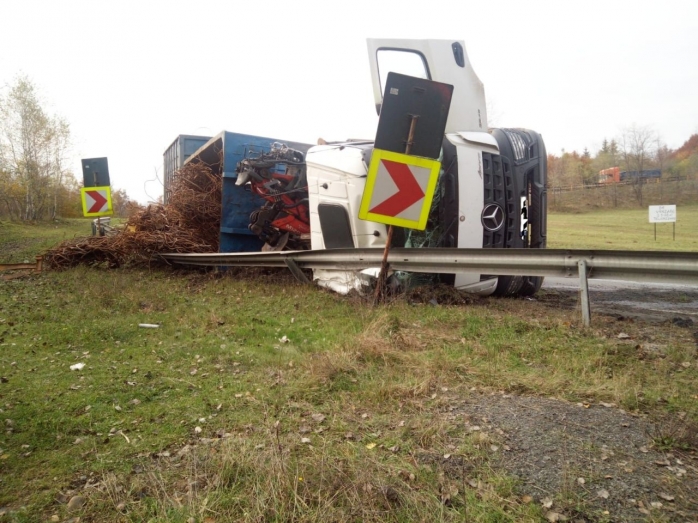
{"points": [[491, 188]]}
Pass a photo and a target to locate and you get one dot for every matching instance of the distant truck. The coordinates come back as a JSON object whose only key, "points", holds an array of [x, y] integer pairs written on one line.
{"points": [[615, 175], [283, 195]]}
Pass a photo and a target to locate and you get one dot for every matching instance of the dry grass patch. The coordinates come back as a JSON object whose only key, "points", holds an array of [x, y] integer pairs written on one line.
{"points": [[272, 474]]}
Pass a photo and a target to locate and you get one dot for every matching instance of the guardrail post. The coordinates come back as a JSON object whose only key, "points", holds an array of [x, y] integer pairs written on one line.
{"points": [[584, 288], [296, 270]]}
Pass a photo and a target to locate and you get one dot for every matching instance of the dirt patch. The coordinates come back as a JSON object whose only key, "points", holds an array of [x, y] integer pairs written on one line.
{"points": [[438, 295], [595, 462]]}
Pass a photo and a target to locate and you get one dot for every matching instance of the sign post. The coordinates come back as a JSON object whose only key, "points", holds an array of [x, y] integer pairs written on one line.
{"points": [[663, 214], [382, 275], [96, 194], [403, 173]]}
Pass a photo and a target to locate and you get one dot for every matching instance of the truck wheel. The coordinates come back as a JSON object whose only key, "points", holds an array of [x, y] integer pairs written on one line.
{"points": [[531, 285], [508, 285]]}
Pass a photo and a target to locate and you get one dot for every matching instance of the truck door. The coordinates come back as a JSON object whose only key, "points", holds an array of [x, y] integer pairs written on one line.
{"points": [[439, 60]]}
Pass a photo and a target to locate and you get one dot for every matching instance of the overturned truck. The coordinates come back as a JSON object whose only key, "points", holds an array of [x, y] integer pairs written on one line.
{"points": [[279, 194]]}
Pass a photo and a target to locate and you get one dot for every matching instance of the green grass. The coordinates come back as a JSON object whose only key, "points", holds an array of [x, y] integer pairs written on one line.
{"points": [[204, 417], [387, 375], [20, 241], [624, 229]]}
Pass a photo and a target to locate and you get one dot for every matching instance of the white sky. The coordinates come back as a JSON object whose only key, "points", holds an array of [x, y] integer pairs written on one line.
{"points": [[130, 76]]}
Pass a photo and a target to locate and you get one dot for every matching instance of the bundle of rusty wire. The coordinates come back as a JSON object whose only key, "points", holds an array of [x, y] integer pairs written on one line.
{"points": [[190, 222]]}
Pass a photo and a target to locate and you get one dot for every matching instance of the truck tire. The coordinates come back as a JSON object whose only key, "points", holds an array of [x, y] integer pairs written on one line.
{"points": [[531, 285], [508, 285]]}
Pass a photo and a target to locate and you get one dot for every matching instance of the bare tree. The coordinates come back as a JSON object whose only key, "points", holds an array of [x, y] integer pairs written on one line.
{"points": [[33, 147], [59, 149], [607, 157], [662, 154], [637, 148]]}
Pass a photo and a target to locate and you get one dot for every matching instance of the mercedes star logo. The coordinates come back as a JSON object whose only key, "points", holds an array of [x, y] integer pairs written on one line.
{"points": [[492, 217]]}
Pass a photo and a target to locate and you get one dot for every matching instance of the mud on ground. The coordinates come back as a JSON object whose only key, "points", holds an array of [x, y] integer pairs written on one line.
{"points": [[653, 304]]}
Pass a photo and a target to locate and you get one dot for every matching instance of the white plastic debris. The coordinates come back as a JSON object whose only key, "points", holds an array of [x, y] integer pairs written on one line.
{"points": [[77, 366], [149, 325]]}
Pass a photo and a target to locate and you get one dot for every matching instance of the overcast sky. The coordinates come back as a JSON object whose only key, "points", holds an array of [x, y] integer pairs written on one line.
{"points": [[130, 76]]}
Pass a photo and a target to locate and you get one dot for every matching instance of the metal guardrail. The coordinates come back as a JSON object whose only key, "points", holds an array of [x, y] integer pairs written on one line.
{"points": [[650, 266], [102, 226], [656, 266]]}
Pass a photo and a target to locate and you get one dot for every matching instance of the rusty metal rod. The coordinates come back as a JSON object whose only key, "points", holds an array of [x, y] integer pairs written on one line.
{"points": [[23, 266], [383, 275]]}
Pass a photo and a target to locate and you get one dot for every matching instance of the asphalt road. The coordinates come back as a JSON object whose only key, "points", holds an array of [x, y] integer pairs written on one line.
{"points": [[648, 301]]}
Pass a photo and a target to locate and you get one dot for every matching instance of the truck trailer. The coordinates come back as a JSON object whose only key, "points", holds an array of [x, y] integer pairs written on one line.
{"points": [[615, 175], [490, 193]]}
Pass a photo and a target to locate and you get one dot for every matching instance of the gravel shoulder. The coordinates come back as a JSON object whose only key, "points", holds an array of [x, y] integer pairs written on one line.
{"points": [[593, 462]]}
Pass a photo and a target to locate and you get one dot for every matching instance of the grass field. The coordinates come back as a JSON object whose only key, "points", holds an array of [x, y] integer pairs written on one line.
{"points": [[624, 229], [258, 399], [20, 242]]}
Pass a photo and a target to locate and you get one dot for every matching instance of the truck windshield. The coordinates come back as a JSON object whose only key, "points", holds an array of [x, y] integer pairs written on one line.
{"points": [[406, 62]]}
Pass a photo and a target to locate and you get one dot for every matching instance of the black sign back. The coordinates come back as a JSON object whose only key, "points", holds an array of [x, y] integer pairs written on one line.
{"points": [[405, 97], [95, 172]]}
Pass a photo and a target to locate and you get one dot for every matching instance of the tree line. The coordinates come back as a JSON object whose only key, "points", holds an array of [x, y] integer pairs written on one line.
{"points": [[36, 182], [637, 148]]}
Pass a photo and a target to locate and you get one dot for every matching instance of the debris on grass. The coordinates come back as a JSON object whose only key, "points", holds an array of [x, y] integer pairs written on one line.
{"points": [[76, 503], [188, 223]]}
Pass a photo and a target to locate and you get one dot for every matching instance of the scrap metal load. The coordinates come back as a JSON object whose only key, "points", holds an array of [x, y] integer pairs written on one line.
{"points": [[189, 223]]}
